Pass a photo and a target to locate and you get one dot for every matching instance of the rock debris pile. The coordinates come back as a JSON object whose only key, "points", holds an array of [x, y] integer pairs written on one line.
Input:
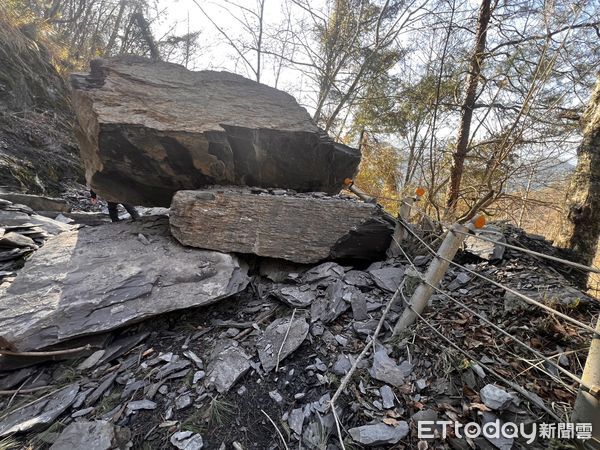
{"points": [[263, 284]]}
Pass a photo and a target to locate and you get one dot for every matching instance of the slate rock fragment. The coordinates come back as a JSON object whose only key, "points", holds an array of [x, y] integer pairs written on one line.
{"points": [[379, 434], [296, 420], [297, 228], [187, 440], [387, 278], [489, 251], [146, 404], [329, 307], [228, 362], [273, 337], [97, 279], [495, 398], [39, 414], [96, 435], [387, 396], [387, 370], [296, 296]]}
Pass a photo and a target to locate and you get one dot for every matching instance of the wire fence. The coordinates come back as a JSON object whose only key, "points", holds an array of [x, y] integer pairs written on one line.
{"points": [[449, 228]]}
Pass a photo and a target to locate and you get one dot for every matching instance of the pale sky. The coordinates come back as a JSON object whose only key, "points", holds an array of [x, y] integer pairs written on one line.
{"points": [[217, 54]]}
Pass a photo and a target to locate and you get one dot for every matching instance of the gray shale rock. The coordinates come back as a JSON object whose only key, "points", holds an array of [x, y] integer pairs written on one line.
{"points": [[228, 363], [484, 249], [37, 202], [385, 368], [98, 279], [494, 397], [147, 129], [41, 413], [186, 440], [379, 434], [97, 435], [272, 338], [298, 228]]}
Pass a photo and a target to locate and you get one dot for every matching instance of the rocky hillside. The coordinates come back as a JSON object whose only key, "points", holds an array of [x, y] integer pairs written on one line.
{"points": [[37, 151]]}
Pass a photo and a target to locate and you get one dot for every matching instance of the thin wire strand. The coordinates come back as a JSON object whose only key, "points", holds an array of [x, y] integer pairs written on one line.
{"points": [[500, 285], [514, 386], [579, 266], [534, 253], [497, 328]]}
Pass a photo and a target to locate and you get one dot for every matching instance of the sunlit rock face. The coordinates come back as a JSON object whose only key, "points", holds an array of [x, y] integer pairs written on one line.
{"points": [[147, 129], [97, 279]]}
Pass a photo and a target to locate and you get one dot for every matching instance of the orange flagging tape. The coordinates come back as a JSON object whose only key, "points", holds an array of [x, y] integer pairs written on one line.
{"points": [[479, 221], [420, 192]]}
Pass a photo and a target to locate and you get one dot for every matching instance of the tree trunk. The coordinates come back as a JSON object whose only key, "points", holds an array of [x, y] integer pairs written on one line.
{"points": [[464, 130], [582, 224], [144, 28], [115, 31]]}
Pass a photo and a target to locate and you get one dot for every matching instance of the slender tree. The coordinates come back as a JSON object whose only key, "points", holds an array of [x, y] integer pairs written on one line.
{"points": [[468, 105]]}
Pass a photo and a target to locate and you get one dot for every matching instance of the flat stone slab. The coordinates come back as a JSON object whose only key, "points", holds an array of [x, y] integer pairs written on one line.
{"points": [[37, 202], [147, 129], [270, 343], [299, 228], [40, 413], [379, 434], [91, 435], [228, 363], [97, 279]]}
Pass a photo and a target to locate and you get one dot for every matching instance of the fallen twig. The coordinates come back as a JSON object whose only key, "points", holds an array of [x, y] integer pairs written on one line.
{"points": [[17, 392], [50, 353], [25, 391], [240, 337], [284, 339], [347, 377], [276, 429], [337, 425]]}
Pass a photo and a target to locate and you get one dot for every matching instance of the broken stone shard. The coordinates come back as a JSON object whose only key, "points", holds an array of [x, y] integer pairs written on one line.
{"points": [[484, 249], [387, 396], [385, 368], [37, 202], [147, 129], [387, 278], [39, 414], [186, 440], [96, 435], [228, 363], [273, 337], [329, 307], [296, 420], [494, 397], [296, 296], [98, 279], [136, 405], [380, 434], [298, 228]]}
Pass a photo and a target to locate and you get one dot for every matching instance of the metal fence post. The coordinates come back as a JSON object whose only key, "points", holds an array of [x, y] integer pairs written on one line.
{"points": [[587, 404], [433, 276]]}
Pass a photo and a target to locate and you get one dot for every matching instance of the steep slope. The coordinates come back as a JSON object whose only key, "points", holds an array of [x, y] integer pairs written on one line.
{"points": [[37, 150]]}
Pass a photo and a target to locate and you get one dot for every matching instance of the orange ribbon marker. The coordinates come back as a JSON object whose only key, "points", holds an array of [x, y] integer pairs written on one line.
{"points": [[420, 192], [479, 221]]}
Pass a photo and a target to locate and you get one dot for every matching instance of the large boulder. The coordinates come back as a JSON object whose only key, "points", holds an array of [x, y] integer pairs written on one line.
{"points": [[303, 228], [148, 129], [98, 279]]}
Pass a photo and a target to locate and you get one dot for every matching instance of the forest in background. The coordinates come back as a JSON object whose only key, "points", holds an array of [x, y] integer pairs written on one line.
{"points": [[480, 103]]}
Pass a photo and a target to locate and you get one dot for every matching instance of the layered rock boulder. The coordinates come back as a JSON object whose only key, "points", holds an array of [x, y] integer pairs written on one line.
{"points": [[148, 129], [303, 228], [97, 279]]}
